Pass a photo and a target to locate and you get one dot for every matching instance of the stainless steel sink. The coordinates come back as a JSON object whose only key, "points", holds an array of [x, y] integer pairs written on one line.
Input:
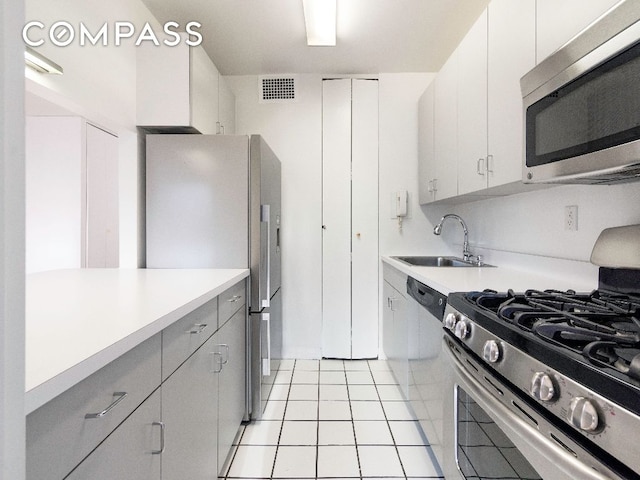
{"points": [[432, 261]]}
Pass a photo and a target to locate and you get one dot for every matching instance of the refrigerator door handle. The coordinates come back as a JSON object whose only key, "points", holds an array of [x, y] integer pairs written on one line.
{"points": [[266, 332], [265, 217]]}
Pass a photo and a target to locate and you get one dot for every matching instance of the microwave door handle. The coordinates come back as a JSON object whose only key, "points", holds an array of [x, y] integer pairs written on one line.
{"points": [[265, 217]]}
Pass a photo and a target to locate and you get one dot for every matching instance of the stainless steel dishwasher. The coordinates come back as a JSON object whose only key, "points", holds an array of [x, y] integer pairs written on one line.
{"points": [[427, 363]]}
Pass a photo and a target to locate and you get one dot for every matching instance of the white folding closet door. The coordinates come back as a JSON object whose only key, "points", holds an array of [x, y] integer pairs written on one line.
{"points": [[364, 219], [350, 219], [336, 218]]}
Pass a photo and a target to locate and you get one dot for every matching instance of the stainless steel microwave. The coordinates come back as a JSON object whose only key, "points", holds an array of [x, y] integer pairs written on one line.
{"points": [[582, 105]]}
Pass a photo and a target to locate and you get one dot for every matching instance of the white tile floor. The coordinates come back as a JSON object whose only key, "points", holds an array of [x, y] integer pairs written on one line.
{"points": [[333, 419]]}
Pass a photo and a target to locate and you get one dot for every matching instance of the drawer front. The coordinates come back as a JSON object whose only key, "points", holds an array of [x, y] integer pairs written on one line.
{"points": [[230, 301], [59, 434], [132, 451], [185, 336]]}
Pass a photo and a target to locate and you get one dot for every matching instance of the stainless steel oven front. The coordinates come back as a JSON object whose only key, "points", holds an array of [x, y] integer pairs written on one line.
{"points": [[492, 432]]}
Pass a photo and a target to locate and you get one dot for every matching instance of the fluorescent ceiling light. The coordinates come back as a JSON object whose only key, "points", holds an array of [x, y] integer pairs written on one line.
{"points": [[320, 20], [40, 63]]}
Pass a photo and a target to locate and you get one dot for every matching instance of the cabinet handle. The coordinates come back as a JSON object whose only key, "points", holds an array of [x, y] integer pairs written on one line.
{"points": [[490, 163], [215, 364], [430, 186], [121, 396], [480, 166], [218, 125], [222, 129], [197, 329], [235, 298], [435, 185], [224, 358], [162, 428]]}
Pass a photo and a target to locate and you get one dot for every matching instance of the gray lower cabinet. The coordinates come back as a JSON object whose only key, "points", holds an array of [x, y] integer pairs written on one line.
{"points": [[167, 410], [395, 334], [132, 451], [61, 433], [190, 416], [232, 386]]}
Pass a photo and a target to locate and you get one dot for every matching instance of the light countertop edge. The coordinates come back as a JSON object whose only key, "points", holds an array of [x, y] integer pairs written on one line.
{"points": [[154, 299], [447, 280]]}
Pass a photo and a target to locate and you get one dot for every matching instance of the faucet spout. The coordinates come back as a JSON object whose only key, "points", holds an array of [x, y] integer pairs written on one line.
{"points": [[437, 230]]}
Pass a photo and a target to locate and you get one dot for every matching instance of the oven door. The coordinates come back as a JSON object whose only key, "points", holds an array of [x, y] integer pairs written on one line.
{"points": [[490, 433]]}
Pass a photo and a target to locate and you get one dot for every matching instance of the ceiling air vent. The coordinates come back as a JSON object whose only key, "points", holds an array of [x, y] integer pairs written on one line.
{"points": [[278, 88]]}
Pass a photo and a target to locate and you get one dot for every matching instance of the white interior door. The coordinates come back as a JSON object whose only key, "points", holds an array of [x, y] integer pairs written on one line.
{"points": [[102, 199], [364, 219], [336, 218], [350, 219]]}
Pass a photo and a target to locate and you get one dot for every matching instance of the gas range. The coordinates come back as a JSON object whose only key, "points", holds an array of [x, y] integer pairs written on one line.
{"points": [[574, 357]]}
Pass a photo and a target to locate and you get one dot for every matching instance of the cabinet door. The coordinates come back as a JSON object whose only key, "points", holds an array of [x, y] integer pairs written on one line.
{"points": [[131, 452], [446, 129], [190, 413], [511, 55], [203, 88], [426, 143], [232, 383], [558, 21], [472, 108], [396, 336]]}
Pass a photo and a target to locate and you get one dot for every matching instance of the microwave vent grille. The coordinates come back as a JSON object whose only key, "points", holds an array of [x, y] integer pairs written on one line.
{"points": [[278, 88]]}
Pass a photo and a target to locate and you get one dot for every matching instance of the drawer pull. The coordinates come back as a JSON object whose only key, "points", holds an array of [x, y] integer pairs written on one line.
{"points": [[235, 298], [197, 329], [121, 396], [161, 425]]}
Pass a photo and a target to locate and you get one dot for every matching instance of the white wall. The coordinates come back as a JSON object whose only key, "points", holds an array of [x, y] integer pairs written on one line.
{"points": [[99, 84], [294, 131]]}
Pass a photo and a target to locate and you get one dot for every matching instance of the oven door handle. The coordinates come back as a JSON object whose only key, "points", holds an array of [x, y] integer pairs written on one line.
{"points": [[524, 435]]}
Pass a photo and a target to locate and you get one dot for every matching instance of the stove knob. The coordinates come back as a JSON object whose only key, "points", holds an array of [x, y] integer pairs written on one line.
{"points": [[450, 321], [583, 414], [491, 352], [462, 328], [542, 387]]}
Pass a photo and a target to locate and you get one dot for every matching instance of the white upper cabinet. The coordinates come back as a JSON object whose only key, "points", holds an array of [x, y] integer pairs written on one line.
{"points": [[426, 143], [559, 21], [472, 108], [179, 88], [511, 54], [445, 179]]}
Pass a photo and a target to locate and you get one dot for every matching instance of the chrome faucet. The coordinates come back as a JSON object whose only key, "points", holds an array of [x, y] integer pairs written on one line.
{"points": [[466, 254]]}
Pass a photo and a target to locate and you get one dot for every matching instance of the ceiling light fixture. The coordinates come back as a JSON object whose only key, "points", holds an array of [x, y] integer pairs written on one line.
{"points": [[320, 21], [40, 63]]}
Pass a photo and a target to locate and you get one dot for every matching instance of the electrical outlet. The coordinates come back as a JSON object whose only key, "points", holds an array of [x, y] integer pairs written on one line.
{"points": [[571, 217]]}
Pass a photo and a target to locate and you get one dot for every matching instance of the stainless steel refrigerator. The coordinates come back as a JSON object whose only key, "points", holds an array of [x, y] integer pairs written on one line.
{"points": [[213, 201]]}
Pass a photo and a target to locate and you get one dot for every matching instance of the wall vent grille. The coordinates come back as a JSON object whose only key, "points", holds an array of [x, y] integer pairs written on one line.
{"points": [[278, 88]]}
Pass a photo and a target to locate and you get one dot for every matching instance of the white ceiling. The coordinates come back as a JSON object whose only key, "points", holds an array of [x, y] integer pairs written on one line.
{"points": [[374, 36]]}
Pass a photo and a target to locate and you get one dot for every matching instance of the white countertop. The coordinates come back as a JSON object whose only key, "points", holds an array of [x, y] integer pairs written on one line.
{"points": [[501, 278], [78, 321]]}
